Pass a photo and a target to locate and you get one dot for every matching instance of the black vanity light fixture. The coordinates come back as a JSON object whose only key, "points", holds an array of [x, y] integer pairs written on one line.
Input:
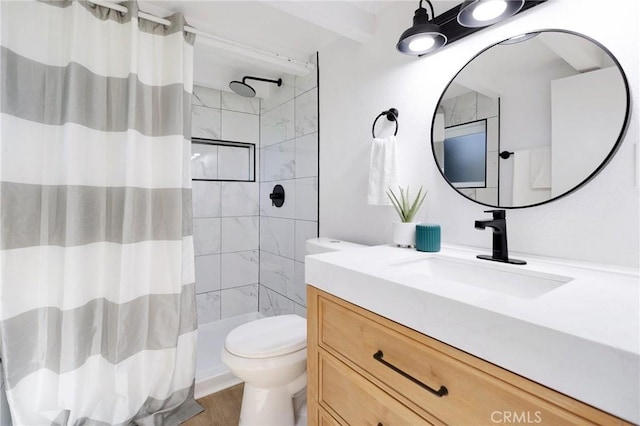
{"points": [[424, 36], [481, 13], [453, 24]]}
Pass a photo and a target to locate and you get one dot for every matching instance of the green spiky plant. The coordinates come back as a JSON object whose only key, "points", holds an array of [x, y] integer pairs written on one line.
{"points": [[405, 205]]}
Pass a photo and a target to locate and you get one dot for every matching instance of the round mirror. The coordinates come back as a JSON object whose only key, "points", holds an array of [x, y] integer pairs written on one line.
{"points": [[530, 119]]}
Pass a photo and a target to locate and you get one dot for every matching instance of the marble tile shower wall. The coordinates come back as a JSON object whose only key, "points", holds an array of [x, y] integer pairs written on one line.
{"points": [[289, 157], [226, 215]]}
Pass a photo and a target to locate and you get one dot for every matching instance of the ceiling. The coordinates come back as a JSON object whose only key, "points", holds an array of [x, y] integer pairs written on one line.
{"points": [[292, 29], [549, 55]]}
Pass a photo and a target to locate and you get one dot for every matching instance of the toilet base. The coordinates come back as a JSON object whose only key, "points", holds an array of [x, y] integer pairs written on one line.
{"points": [[266, 407]]}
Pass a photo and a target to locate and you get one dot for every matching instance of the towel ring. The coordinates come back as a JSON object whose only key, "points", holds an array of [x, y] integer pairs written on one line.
{"points": [[392, 115]]}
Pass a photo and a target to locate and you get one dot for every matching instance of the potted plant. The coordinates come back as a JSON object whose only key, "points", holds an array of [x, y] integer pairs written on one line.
{"points": [[404, 231]]}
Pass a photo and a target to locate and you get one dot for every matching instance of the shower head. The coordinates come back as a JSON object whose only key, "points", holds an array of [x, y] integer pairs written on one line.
{"points": [[243, 89]]}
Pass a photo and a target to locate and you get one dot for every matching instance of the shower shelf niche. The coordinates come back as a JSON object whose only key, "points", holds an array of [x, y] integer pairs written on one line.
{"points": [[222, 161]]}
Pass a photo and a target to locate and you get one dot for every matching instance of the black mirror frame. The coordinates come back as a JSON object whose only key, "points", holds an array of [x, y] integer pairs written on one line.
{"points": [[593, 174]]}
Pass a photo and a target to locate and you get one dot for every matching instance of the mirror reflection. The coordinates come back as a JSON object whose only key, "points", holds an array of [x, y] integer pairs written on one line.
{"points": [[554, 103]]}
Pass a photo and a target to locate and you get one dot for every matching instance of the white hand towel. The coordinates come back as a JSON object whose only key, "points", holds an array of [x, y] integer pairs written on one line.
{"points": [[523, 193], [382, 170], [540, 168]]}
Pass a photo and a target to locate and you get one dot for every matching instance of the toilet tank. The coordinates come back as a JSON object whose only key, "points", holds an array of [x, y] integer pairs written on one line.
{"points": [[326, 245]]}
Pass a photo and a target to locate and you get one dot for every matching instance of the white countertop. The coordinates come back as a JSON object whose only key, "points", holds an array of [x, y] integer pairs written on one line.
{"points": [[581, 339]]}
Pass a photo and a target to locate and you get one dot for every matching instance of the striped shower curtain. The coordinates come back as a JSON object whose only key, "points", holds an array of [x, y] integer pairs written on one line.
{"points": [[97, 305]]}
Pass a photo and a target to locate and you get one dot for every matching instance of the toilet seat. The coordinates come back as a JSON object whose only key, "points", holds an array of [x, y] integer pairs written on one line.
{"points": [[268, 337]]}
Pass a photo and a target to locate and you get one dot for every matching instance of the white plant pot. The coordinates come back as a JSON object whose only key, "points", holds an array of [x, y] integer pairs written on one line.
{"points": [[404, 234]]}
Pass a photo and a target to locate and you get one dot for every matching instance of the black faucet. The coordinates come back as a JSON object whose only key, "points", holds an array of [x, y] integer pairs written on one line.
{"points": [[499, 227]]}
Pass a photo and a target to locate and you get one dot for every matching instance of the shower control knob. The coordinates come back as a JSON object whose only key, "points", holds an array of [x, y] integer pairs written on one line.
{"points": [[277, 196]]}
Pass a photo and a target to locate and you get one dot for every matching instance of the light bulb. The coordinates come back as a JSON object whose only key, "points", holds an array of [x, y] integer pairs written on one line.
{"points": [[487, 10], [422, 43]]}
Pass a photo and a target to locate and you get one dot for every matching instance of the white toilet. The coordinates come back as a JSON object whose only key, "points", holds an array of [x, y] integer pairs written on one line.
{"points": [[270, 356]]}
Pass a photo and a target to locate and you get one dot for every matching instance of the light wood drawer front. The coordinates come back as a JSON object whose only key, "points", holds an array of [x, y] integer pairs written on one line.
{"points": [[358, 401], [474, 397]]}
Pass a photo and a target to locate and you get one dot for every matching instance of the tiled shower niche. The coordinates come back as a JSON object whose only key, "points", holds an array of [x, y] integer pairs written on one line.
{"points": [[214, 160]]}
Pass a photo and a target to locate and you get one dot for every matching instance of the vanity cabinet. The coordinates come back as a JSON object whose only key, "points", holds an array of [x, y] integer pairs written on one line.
{"points": [[367, 370]]}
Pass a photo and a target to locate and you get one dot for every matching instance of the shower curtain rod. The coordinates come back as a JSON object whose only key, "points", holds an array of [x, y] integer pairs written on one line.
{"points": [[292, 65]]}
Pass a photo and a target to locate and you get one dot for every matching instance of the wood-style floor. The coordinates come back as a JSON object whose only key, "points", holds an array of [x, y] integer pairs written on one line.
{"points": [[220, 409]]}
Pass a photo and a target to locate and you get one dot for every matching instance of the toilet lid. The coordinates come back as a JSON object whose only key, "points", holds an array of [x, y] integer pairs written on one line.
{"points": [[268, 337]]}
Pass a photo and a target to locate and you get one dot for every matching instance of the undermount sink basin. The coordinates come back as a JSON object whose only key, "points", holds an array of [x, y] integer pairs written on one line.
{"points": [[505, 279]]}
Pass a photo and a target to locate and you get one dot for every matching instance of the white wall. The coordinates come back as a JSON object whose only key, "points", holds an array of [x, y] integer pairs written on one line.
{"points": [[598, 223]]}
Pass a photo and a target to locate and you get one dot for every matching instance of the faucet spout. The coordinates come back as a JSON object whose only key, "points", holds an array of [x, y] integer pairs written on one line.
{"points": [[498, 225], [484, 224], [480, 224]]}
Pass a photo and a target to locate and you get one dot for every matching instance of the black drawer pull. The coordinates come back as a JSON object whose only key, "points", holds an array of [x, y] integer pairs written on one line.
{"points": [[440, 392]]}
